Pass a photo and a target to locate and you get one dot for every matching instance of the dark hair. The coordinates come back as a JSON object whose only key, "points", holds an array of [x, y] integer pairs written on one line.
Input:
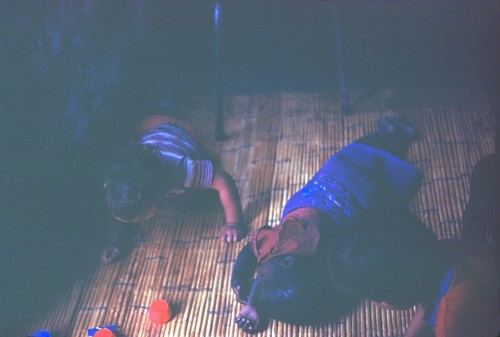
{"points": [[295, 289], [481, 214], [132, 181], [394, 259]]}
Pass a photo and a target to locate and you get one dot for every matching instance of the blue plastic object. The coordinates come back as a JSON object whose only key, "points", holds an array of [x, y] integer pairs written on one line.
{"points": [[91, 332], [40, 333]]}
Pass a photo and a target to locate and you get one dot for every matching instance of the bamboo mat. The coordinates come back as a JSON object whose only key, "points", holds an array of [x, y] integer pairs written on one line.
{"points": [[275, 144]]}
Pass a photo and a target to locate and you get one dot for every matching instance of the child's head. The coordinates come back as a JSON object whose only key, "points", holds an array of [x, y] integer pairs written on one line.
{"points": [[296, 289], [133, 183], [481, 218]]}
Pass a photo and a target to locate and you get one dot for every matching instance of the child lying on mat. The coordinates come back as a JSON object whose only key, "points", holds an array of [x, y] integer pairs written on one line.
{"points": [[164, 159], [346, 236]]}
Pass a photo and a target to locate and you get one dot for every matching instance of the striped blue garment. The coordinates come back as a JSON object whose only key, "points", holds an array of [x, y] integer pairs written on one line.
{"points": [[179, 151]]}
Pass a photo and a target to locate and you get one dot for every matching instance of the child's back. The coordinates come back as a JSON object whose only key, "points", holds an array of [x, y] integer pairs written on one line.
{"points": [[163, 158]]}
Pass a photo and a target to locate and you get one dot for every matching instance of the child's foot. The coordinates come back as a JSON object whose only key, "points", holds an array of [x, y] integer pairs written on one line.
{"points": [[248, 319], [231, 232], [392, 125], [385, 126]]}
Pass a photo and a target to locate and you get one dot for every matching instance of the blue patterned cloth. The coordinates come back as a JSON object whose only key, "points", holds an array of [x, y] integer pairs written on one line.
{"points": [[357, 178]]}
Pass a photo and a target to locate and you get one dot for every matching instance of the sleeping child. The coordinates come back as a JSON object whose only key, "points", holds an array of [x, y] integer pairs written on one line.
{"points": [[347, 236], [163, 160]]}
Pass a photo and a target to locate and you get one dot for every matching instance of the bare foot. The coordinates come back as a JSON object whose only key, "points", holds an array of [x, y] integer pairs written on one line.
{"points": [[385, 125], [248, 319], [110, 254], [392, 125], [231, 232]]}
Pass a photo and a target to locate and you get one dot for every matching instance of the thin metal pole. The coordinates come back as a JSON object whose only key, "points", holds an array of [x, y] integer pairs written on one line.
{"points": [[344, 94], [218, 96]]}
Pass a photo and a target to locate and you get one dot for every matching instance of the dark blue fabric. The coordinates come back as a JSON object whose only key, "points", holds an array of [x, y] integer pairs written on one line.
{"points": [[358, 178]]}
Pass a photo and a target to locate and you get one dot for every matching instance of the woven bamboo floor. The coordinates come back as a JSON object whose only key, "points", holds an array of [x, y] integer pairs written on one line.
{"points": [[275, 144]]}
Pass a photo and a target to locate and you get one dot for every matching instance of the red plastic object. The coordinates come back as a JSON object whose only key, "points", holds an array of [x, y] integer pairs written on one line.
{"points": [[160, 312], [104, 333]]}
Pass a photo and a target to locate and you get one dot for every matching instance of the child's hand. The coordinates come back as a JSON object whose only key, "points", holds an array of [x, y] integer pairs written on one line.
{"points": [[110, 254], [249, 320], [121, 235], [231, 232], [418, 327], [230, 201]]}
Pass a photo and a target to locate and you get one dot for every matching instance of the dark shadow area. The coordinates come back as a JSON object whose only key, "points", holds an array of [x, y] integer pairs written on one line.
{"points": [[50, 225], [76, 74]]}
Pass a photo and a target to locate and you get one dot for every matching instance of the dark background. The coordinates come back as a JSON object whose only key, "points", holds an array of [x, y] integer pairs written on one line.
{"points": [[74, 74]]}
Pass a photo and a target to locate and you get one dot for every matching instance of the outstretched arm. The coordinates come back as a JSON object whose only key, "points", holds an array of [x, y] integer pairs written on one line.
{"points": [[243, 271], [249, 319], [233, 229]]}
